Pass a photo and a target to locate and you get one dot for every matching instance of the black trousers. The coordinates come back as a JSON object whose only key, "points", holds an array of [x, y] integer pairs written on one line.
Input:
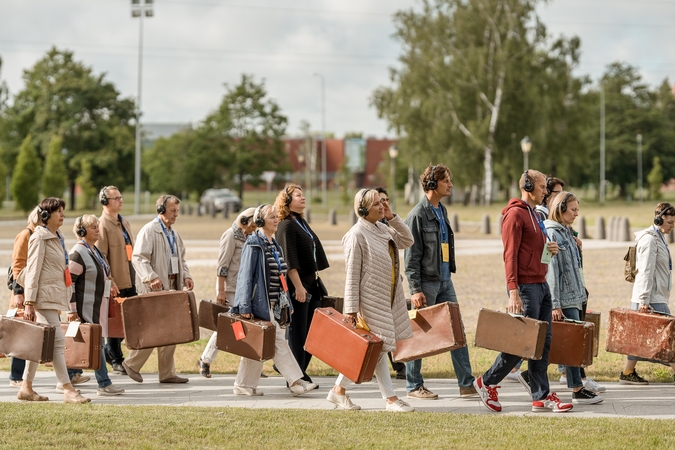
{"points": [[113, 346], [296, 333]]}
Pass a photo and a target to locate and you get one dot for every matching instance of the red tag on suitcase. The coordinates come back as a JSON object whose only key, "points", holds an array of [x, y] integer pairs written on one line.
{"points": [[239, 333]]}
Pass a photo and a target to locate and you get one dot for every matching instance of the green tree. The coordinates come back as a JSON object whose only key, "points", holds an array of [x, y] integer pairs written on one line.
{"points": [[655, 179], [3, 186], [87, 188], [25, 183], [54, 178], [64, 97]]}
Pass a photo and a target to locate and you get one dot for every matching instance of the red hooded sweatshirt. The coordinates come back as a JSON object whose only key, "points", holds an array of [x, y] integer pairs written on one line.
{"points": [[524, 242]]}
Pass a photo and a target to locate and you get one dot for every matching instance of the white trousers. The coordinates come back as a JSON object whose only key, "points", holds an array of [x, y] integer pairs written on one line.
{"points": [[249, 370], [51, 317], [210, 352], [382, 374]]}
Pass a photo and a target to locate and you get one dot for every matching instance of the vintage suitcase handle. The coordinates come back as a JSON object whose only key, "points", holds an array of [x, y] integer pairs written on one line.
{"points": [[659, 313], [574, 321]]}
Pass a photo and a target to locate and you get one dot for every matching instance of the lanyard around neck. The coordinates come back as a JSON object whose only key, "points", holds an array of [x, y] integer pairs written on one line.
{"points": [[439, 215], [127, 238], [63, 244], [168, 238], [99, 257], [309, 233]]}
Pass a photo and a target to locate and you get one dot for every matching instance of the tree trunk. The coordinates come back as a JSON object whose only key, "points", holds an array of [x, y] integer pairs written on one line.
{"points": [[71, 188], [241, 185]]}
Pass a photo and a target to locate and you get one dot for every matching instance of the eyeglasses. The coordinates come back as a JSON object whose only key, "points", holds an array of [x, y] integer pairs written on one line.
{"points": [[117, 199]]}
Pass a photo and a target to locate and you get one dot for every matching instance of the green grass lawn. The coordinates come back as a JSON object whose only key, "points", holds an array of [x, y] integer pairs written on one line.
{"points": [[95, 426]]}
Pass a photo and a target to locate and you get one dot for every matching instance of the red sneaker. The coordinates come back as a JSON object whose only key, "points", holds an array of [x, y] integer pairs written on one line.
{"points": [[550, 403], [488, 395]]}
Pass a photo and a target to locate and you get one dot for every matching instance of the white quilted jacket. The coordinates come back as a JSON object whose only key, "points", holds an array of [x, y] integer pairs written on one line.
{"points": [[368, 281]]}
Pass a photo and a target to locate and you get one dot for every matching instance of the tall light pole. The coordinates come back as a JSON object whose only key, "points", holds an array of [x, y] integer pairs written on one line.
{"points": [[323, 138], [393, 154], [526, 146], [139, 10], [639, 164], [602, 144]]}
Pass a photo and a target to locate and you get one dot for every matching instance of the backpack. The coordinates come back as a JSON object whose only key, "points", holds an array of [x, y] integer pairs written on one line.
{"points": [[11, 283], [630, 270]]}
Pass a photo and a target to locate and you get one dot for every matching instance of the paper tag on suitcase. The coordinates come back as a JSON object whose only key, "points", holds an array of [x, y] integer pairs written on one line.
{"points": [[546, 255], [412, 314], [12, 312], [107, 288], [73, 328], [239, 333]]}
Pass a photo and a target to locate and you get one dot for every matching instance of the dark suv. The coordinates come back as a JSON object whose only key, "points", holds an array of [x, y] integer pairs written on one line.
{"points": [[219, 198]]}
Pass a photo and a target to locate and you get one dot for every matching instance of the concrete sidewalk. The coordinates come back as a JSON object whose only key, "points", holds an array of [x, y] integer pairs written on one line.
{"points": [[655, 401]]}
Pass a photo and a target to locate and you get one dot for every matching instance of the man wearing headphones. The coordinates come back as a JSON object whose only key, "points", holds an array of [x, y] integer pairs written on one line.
{"points": [[527, 253], [116, 242], [159, 260], [428, 265]]}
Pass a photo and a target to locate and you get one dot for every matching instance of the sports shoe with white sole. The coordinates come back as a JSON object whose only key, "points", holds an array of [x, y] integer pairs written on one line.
{"points": [[551, 403], [488, 395], [110, 390], [563, 380], [399, 406], [524, 378], [342, 401], [78, 378], [243, 390], [512, 377], [302, 387], [585, 397], [591, 385]]}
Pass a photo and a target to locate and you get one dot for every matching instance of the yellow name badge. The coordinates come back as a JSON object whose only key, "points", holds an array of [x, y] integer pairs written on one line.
{"points": [[412, 314], [445, 248]]}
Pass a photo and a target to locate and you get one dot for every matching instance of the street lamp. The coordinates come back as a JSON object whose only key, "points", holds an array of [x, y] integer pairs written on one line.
{"points": [[526, 146], [393, 154], [323, 138], [139, 10], [602, 144], [639, 164]]}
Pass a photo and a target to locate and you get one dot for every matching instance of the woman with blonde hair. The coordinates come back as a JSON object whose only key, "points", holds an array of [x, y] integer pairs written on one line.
{"points": [[373, 289], [305, 258]]}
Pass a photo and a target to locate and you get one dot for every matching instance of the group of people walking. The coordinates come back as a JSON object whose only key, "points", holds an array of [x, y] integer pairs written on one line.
{"points": [[268, 268]]}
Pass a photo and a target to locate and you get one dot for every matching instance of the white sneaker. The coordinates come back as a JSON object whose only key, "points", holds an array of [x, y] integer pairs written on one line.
{"points": [[399, 406], [591, 385], [342, 401], [16, 384], [512, 377], [563, 380], [243, 390], [110, 391], [302, 387]]}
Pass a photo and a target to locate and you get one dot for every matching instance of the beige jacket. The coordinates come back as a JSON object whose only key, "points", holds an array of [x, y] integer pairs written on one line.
{"points": [[229, 257], [368, 285], [152, 256], [111, 243], [43, 278]]}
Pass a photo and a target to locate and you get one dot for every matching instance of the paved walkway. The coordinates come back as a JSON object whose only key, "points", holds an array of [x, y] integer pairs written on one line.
{"points": [[655, 401]]}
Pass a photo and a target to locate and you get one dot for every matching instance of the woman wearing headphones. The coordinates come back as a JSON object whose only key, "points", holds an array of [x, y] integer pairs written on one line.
{"points": [[654, 278], [262, 293], [305, 258], [373, 289], [229, 258], [566, 281], [47, 289], [93, 287]]}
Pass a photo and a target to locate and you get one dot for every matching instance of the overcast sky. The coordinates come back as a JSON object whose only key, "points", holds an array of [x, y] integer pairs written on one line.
{"points": [[192, 47]]}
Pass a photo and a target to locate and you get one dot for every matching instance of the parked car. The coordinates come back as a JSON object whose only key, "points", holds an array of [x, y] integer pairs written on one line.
{"points": [[219, 198]]}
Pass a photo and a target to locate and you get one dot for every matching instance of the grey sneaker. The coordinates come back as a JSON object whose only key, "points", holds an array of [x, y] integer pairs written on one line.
{"points": [[342, 401], [110, 391], [422, 393], [78, 378]]}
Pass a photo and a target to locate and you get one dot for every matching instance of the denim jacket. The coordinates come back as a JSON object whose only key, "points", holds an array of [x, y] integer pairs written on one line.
{"points": [[564, 275], [423, 258], [253, 279]]}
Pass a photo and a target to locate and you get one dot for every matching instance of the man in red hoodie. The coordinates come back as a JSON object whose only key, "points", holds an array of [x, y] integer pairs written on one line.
{"points": [[527, 252]]}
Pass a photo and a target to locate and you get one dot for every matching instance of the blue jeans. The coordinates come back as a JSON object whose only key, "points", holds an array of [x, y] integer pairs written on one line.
{"points": [[659, 307], [573, 373], [537, 305], [102, 374], [440, 292], [16, 369]]}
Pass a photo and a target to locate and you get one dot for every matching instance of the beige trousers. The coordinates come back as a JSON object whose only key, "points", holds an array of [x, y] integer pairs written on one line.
{"points": [[51, 317], [165, 364]]}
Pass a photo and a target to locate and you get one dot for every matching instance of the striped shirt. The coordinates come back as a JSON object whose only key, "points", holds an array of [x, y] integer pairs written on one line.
{"points": [[275, 283]]}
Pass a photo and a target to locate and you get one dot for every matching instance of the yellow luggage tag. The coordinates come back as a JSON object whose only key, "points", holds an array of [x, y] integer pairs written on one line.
{"points": [[445, 248], [412, 314], [361, 324]]}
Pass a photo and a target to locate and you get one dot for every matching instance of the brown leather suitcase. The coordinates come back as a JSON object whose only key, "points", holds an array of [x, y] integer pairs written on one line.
{"points": [[158, 319], [27, 340], [258, 343], [520, 336], [572, 343], [436, 329], [351, 351], [208, 314], [84, 350], [649, 336], [115, 325], [594, 317], [337, 303]]}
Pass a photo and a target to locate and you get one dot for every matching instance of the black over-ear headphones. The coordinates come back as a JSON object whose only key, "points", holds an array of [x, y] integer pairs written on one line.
{"points": [[563, 204], [44, 215], [81, 231], [548, 186], [362, 210], [432, 184], [257, 218], [103, 197], [658, 220], [244, 220], [289, 199], [528, 186], [161, 209]]}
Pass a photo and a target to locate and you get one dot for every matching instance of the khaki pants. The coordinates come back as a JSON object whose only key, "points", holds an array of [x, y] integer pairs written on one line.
{"points": [[165, 363], [51, 317]]}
